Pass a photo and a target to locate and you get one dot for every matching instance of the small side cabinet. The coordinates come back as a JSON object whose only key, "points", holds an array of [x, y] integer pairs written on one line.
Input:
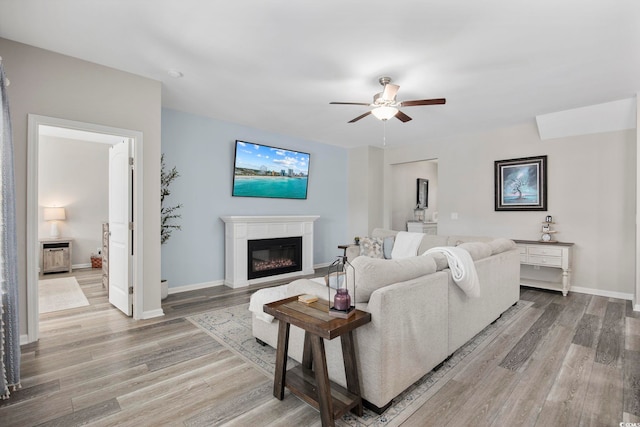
{"points": [[55, 255]]}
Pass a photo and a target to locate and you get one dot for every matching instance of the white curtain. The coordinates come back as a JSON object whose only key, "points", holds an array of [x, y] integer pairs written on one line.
{"points": [[9, 329]]}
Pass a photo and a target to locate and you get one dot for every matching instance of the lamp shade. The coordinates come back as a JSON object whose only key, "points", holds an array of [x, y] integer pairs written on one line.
{"points": [[54, 214], [384, 113]]}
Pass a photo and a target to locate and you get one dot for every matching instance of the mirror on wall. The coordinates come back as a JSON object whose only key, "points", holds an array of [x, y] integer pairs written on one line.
{"points": [[422, 193], [406, 192]]}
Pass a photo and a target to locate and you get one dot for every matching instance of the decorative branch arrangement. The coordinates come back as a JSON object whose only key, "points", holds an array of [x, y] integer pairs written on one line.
{"points": [[167, 213]]}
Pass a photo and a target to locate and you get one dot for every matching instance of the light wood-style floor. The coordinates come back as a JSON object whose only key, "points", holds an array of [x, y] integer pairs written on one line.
{"points": [[570, 361]]}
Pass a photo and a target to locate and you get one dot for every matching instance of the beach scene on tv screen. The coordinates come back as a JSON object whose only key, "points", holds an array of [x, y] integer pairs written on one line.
{"points": [[263, 171]]}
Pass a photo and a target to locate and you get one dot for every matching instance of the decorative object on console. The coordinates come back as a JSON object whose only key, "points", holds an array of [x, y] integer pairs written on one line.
{"points": [[521, 184], [547, 232], [271, 172], [339, 277], [54, 214], [418, 214]]}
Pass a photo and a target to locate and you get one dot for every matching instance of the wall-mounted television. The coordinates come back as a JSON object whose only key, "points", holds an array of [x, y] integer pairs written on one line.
{"points": [[265, 171]]}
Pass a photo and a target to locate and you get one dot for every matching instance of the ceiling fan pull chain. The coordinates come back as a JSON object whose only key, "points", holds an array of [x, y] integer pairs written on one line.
{"points": [[384, 133]]}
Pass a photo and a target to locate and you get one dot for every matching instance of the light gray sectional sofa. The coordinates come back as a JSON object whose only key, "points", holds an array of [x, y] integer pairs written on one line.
{"points": [[419, 316]]}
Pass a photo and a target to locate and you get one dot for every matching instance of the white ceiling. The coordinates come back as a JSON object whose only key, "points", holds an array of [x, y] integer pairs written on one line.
{"points": [[275, 65]]}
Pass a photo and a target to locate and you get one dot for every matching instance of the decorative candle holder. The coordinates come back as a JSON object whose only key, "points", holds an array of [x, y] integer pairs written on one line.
{"points": [[341, 278]]}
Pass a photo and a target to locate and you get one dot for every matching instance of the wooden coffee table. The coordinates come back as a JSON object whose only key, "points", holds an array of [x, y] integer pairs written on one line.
{"points": [[310, 381]]}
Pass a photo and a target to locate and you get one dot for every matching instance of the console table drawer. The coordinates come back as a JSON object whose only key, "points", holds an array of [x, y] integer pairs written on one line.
{"points": [[549, 261], [544, 251]]}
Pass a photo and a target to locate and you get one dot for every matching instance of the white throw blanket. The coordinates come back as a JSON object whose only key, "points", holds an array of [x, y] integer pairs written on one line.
{"points": [[406, 245], [463, 270], [265, 296]]}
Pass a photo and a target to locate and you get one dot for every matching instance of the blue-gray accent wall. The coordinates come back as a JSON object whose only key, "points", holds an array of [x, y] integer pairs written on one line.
{"points": [[202, 149]]}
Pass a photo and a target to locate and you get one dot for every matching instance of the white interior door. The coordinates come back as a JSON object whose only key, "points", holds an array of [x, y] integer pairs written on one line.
{"points": [[120, 216]]}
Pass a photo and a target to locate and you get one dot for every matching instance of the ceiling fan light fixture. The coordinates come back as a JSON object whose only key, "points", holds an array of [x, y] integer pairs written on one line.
{"points": [[384, 112]]}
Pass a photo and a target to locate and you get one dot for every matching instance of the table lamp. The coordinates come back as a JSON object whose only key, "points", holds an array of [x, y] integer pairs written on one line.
{"points": [[54, 215]]}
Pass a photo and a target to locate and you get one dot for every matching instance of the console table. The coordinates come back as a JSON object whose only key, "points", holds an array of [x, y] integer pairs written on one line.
{"points": [[314, 387], [550, 255], [422, 227]]}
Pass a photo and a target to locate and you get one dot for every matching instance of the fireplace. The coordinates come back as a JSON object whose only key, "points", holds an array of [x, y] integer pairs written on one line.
{"points": [[239, 230], [270, 257]]}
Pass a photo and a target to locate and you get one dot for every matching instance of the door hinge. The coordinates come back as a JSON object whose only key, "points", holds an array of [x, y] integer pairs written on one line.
{"points": [[130, 225], [130, 161], [130, 290]]}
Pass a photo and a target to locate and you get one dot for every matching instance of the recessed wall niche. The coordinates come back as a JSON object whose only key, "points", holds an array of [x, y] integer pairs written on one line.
{"points": [[403, 190]]}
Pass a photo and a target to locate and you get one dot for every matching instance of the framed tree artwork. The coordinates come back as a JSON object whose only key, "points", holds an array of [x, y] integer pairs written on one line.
{"points": [[521, 184]]}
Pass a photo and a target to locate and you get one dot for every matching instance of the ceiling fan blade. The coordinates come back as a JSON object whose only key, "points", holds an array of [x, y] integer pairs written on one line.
{"points": [[423, 102], [350, 103], [390, 91], [402, 117], [362, 116]]}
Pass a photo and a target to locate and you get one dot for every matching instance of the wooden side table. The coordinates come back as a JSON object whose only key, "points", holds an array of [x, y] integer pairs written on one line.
{"points": [[314, 387], [345, 247]]}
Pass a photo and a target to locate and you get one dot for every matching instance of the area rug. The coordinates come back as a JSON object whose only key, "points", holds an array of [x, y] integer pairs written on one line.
{"points": [[231, 326], [60, 294]]}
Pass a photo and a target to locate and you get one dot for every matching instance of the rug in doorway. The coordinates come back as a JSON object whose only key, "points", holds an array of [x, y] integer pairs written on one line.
{"points": [[60, 294], [231, 326]]}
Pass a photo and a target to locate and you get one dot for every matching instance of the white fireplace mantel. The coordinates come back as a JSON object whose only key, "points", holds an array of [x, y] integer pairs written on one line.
{"points": [[240, 229]]}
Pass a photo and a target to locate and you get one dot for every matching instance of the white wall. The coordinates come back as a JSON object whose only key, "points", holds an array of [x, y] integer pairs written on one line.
{"points": [[403, 193], [54, 85], [365, 183], [591, 195], [75, 175]]}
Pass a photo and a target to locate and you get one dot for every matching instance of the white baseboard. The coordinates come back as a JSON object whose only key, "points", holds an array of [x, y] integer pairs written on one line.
{"points": [[24, 339], [602, 293], [205, 285], [186, 288], [151, 314], [85, 265]]}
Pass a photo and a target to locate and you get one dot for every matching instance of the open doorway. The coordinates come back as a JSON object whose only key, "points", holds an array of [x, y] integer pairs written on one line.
{"points": [[41, 130]]}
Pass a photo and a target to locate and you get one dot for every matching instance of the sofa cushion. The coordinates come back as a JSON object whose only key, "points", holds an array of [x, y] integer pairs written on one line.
{"points": [[372, 273], [371, 247], [441, 260], [477, 250], [458, 240], [431, 241], [501, 244]]}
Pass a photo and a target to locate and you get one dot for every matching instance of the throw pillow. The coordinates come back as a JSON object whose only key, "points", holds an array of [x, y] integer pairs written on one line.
{"points": [[387, 246], [371, 247]]}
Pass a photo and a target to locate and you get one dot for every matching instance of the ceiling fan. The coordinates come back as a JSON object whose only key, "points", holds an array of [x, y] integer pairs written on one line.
{"points": [[385, 105]]}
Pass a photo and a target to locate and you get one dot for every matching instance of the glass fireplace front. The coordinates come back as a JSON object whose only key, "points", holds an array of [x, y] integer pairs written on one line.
{"points": [[270, 257]]}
